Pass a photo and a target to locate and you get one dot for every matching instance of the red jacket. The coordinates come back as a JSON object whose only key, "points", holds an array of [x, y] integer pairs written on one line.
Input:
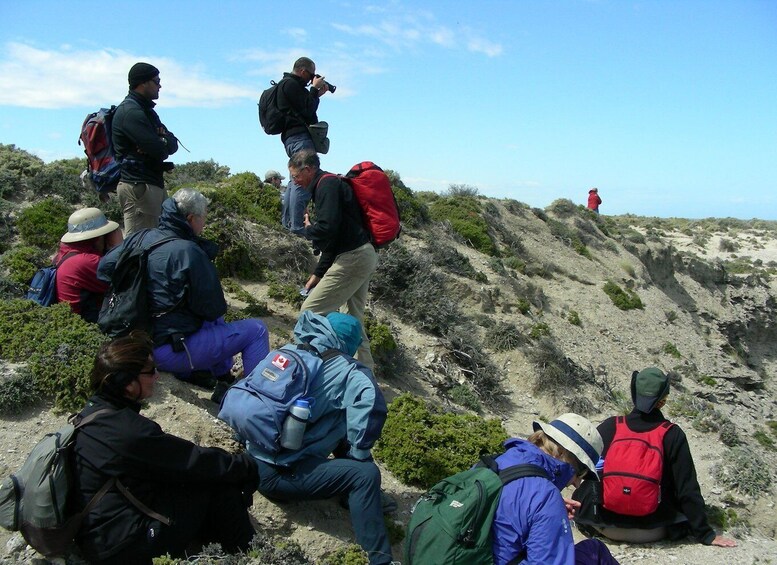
{"points": [[77, 281], [594, 200]]}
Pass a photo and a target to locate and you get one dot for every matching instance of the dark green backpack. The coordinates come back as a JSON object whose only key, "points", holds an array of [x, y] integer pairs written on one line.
{"points": [[451, 523]]}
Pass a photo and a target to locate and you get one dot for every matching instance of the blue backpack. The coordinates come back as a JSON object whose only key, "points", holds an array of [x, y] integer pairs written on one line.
{"points": [[256, 406], [43, 286]]}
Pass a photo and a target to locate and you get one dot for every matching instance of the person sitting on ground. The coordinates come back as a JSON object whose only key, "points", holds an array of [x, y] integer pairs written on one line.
{"points": [[347, 417], [186, 300], [204, 491], [531, 523], [89, 236], [680, 505]]}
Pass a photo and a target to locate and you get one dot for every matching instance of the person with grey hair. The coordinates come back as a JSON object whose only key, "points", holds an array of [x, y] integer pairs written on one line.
{"points": [[348, 258], [300, 106], [186, 301], [142, 143]]}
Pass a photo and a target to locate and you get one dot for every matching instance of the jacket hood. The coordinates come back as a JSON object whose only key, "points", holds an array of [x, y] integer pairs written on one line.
{"points": [[518, 451], [172, 220], [316, 331]]}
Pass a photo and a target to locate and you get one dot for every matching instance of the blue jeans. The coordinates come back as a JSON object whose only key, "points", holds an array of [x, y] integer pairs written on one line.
{"points": [[315, 478], [296, 198], [212, 347]]}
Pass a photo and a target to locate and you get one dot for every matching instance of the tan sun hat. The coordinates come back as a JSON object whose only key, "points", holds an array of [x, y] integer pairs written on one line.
{"points": [[577, 435], [87, 223]]}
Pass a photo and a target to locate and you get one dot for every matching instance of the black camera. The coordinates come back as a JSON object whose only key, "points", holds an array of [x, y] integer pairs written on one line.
{"points": [[329, 87]]}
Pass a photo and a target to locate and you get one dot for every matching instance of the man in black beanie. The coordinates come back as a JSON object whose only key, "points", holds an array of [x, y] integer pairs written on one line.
{"points": [[142, 143]]}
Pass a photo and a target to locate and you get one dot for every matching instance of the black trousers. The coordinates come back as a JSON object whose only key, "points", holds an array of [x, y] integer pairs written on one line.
{"points": [[209, 515]]}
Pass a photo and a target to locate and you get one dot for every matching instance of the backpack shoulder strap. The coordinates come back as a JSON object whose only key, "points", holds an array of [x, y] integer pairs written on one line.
{"points": [[325, 356], [65, 257], [511, 473], [81, 422]]}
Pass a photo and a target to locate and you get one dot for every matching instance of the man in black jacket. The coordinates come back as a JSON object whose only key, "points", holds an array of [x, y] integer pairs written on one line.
{"points": [[348, 259], [142, 143], [681, 508], [300, 105]]}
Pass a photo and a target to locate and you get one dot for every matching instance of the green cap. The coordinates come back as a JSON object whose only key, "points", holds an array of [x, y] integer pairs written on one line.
{"points": [[649, 386]]}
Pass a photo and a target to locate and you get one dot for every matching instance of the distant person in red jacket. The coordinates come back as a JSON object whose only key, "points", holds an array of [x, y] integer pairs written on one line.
{"points": [[594, 200], [89, 235]]}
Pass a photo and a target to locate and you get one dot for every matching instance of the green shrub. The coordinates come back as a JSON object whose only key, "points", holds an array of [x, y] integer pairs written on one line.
{"points": [[523, 306], [287, 293], [764, 439], [61, 179], [724, 518], [58, 346], [728, 245], [539, 330], [43, 223], [515, 263], [623, 299], [563, 208], [463, 213], [382, 342], [17, 392], [246, 195], [421, 444], [239, 250], [569, 236], [464, 396], [196, 173], [465, 190], [772, 425], [671, 349], [22, 262], [16, 167], [253, 309], [745, 471], [412, 210], [629, 268], [574, 318], [349, 555]]}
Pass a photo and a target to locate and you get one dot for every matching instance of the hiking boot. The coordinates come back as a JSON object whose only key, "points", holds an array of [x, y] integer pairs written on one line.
{"points": [[219, 392], [202, 379]]}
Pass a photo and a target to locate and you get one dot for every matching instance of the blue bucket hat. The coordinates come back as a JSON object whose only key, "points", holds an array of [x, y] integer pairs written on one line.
{"points": [[348, 329]]}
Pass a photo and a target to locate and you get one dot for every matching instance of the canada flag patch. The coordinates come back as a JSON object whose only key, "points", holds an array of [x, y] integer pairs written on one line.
{"points": [[280, 361]]}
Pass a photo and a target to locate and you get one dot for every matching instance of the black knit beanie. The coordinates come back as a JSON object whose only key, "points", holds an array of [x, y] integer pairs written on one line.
{"points": [[140, 73]]}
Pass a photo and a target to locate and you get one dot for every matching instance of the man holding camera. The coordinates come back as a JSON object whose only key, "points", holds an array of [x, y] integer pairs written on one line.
{"points": [[141, 143], [300, 105]]}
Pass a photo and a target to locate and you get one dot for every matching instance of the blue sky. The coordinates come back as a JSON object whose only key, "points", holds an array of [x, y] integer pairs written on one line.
{"points": [[668, 107]]}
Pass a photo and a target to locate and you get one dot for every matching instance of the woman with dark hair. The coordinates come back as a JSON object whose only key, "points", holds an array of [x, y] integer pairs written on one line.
{"points": [[183, 493]]}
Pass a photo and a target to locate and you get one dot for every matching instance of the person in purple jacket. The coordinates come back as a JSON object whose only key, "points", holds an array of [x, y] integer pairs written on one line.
{"points": [[531, 524]]}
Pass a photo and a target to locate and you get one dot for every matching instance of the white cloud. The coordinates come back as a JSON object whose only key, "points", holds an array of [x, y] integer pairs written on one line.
{"points": [[296, 33], [62, 78]]}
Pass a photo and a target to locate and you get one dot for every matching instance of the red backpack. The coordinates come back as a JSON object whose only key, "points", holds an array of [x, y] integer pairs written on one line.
{"points": [[372, 189], [103, 171], [633, 468]]}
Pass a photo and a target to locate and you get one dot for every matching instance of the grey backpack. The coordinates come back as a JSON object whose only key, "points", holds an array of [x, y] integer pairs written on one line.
{"points": [[34, 500]]}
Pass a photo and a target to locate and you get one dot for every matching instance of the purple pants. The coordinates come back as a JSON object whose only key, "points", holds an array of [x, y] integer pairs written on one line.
{"points": [[211, 348]]}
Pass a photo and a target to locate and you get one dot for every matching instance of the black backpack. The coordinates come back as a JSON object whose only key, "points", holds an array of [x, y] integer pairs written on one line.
{"points": [[272, 120], [125, 307]]}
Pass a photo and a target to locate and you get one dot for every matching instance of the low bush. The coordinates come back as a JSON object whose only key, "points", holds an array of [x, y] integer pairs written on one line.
{"points": [[413, 212], [22, 262], [263, 549], [743, 470], [17, 391], [504, 337], [727, 245], [421, 445], [240, 252], [246, 195], [463, 214], [556, 374], [382, 342], [764, 439], [563, 208], [43, 223], [450, 260], [523, 306], [464, 396], [288, 293], [467, 352], [196, 173], [569, 237], [539, 330], [515, 263], [465, 190], [58, 346], [574, 318], [623, 299], [724, 518], [671, 349], [61, 178]]}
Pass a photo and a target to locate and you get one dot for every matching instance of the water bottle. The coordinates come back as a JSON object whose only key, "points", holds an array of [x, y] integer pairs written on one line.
{"points": [[294, 425], [600, 467]]}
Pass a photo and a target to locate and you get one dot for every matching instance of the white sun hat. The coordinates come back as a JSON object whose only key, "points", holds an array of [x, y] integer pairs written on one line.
{"points": [[577, 435]]}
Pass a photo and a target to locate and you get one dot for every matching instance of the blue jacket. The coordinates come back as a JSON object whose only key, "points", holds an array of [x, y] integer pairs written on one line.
{"points": [[531, 515], [183, 284], [348, 405]]}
